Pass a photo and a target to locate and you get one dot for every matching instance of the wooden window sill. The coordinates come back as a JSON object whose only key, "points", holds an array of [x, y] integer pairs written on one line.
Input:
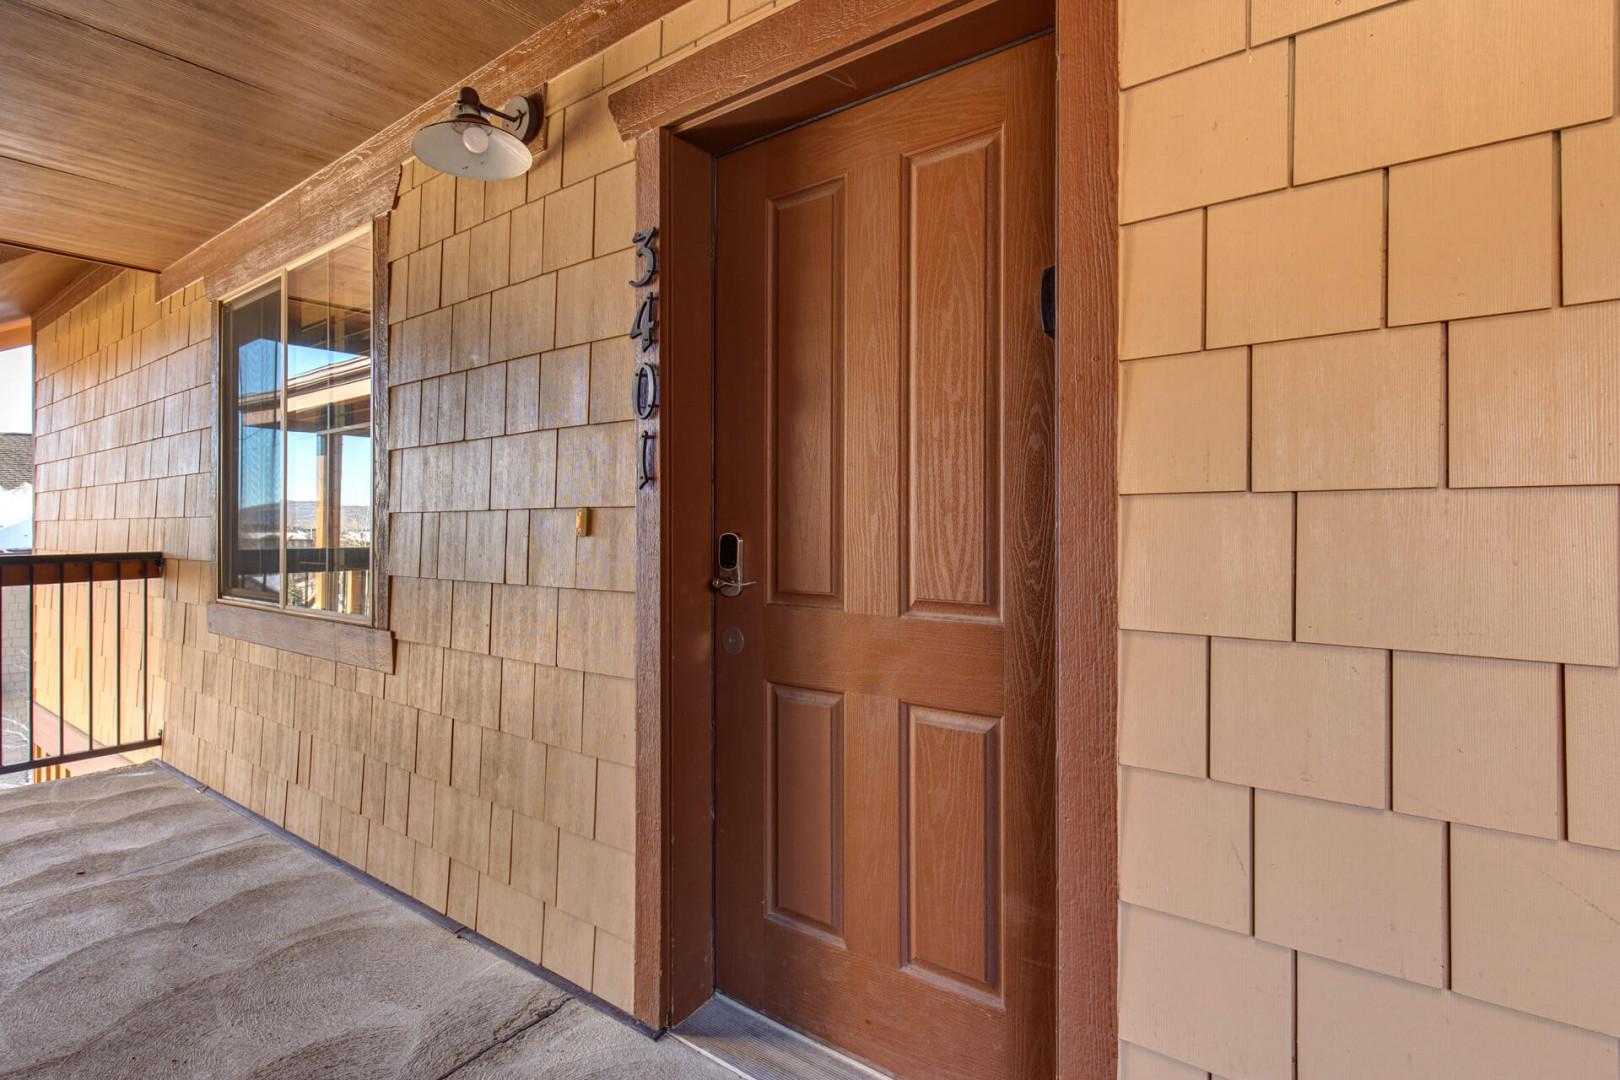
{"points": [[329, 639]]}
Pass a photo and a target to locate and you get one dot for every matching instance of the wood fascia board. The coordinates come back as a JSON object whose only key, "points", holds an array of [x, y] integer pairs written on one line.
{"points": [[809, 38], [352, 189], [278, 233], [78, 290]]}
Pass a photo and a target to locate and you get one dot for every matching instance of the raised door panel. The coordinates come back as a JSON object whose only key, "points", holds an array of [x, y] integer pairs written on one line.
{"points": [[805, 804], [806, 440], [952, 837], [953, 273]]}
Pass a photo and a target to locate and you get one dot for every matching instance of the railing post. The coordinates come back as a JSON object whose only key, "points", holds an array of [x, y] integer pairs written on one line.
{"points": [[33, 653], [3, 672]]}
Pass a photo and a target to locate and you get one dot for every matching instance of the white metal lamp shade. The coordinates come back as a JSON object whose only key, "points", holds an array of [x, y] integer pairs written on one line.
{"points": [[469, 144], [475, 149]]}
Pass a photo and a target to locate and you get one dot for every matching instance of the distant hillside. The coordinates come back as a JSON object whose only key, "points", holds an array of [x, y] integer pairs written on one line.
{"points": [[301, 517]]}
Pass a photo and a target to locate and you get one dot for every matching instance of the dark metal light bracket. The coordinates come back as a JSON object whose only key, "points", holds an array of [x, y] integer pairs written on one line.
{"points": [[520, 115]]}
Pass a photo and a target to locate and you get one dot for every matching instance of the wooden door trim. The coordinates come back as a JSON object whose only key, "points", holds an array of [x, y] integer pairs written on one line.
{"points": [[674, 948], [814, 57], [1087, 552], [811, 58]]}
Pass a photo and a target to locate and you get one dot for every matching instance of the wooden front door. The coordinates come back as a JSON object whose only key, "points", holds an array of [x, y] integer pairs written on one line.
{"points": [[884, 688]]}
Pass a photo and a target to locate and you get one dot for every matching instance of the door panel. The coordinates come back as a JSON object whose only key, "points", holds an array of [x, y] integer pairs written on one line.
{"points": [[807, 285], [952, 377], [883, 438], [806, 807], [953, 806]]}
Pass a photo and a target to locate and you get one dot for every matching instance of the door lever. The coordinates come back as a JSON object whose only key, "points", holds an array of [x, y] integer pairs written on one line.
{"points": [[728, 577]]}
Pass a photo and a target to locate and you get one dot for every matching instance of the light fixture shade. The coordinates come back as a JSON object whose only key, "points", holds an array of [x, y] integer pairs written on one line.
{"points": [[442, 146]]}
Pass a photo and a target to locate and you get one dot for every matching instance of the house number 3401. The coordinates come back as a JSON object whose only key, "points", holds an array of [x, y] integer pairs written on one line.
{"points": [[644, 383]]}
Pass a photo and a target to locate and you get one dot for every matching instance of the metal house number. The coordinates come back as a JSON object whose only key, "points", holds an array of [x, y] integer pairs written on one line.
{"points": [[644, 391], [645, 328], [644, 331], [646, 257]]}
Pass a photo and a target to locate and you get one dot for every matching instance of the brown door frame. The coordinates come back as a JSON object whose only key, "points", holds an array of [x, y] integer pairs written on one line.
{"points": [[811, 58]]}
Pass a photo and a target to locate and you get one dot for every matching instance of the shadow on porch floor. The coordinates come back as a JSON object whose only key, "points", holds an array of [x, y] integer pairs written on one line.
{"points": [[148, 930]]}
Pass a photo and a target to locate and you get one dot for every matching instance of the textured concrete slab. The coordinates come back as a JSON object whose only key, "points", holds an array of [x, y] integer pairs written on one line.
{"points": [[147, 930], [758, 1047]]}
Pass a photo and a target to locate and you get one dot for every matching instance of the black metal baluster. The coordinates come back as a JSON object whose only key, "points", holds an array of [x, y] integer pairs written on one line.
{"points": [[146, 589], [90, 654], [61, 657], [118, 651]]}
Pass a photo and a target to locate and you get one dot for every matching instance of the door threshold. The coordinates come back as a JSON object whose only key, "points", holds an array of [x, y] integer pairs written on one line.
{"points": [[756, 1047]]}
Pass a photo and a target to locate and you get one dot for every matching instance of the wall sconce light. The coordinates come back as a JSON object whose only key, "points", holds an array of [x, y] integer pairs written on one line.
{"points": [[479, 142]]}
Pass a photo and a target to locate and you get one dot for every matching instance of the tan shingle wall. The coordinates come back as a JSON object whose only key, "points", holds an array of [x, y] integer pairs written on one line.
{"points": [[491, 776], [1370, 709]]}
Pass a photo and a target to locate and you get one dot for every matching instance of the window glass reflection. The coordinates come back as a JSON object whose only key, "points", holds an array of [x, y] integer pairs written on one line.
{"points": [[252, 355], [328, 508], [297, 464]]}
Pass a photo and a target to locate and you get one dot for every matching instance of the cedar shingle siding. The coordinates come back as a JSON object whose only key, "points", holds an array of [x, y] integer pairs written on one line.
{"points": [[1429, 735]]}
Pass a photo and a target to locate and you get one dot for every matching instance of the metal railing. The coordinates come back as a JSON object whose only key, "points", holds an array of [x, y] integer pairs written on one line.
{"points": [[88, 624]]}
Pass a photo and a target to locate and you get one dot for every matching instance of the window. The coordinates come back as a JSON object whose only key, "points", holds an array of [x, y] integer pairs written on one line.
{"points": [[296, 438]]}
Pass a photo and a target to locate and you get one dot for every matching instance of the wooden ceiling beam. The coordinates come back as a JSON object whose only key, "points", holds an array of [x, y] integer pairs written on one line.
{"points": [[353, 189]]}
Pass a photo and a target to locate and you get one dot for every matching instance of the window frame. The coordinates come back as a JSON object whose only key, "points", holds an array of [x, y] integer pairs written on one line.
{"points": [[376, 616]]}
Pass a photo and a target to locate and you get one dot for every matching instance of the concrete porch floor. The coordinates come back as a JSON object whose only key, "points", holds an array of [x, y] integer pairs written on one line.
{"points": [[148, 930]]}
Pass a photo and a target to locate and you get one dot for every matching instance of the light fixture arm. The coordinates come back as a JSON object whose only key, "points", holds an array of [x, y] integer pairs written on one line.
{"points": [[468, 99], [487, 111], [521, 115]]}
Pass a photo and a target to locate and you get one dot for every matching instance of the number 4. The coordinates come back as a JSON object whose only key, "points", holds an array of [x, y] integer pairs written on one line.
{"points": [[645, 328]]}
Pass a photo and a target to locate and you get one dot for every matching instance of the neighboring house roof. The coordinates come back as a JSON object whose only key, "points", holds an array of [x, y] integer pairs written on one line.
{"points": [[16, 459]]}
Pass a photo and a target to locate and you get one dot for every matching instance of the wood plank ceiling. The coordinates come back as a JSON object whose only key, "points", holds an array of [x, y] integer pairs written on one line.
{"points": [[133, 130]]}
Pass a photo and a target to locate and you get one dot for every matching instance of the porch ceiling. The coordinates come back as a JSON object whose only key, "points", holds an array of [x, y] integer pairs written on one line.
{"points": [[29, 278], [133, 130]]}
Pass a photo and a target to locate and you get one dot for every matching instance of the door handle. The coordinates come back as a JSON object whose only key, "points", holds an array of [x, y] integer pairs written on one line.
{"points": [[728, 566]]}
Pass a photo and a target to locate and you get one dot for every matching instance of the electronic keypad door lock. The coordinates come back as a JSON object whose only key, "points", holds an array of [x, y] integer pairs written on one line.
{"points": [[728, 566]]}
